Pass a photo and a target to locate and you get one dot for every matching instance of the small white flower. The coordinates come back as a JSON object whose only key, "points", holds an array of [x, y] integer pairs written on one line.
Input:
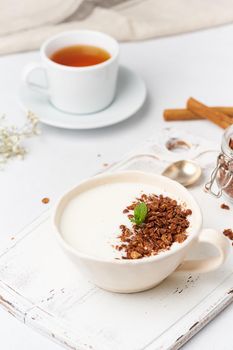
{"points": [[11, 137]]}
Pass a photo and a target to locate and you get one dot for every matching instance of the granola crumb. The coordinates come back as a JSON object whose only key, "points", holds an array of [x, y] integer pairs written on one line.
{"points": [[45, 200], [231, 143], [135, 255], [225, 206], [228, 233]]}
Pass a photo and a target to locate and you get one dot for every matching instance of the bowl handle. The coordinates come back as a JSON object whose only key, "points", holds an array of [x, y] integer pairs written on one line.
{"points": [[219, 241]]}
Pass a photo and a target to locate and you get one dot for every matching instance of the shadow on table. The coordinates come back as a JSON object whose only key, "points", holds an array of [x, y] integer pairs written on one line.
{"points": [[137, 118]]}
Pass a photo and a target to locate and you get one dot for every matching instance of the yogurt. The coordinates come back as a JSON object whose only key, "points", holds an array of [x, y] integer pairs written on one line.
{"points": [[90, 221]]}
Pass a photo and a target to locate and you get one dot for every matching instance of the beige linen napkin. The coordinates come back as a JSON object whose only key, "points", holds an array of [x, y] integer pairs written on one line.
{"points": [[25, 24]]}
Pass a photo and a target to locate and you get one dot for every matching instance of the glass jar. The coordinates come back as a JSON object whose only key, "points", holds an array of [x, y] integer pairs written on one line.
{"points": [[223, 172]]}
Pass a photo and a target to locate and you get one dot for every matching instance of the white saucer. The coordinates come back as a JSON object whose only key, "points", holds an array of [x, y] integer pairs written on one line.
{"points": [[130, 96]]}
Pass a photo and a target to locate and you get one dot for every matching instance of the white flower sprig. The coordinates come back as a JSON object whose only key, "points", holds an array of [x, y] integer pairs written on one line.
{"points": [[11, 137]]}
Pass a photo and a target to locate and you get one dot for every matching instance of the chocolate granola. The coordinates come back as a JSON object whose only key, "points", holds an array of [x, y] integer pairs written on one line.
{"points": [[231, 143], [228, 233], [166, 222], [224, 206]]}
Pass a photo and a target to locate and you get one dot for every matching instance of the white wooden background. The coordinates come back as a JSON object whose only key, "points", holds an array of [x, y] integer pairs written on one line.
{"points": [[198, 64]]}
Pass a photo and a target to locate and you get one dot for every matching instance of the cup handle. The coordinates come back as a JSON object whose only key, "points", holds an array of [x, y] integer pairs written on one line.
{"points": [[27, 71], [216, 239]]}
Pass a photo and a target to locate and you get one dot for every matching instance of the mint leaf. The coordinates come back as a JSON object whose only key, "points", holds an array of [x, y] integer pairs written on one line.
{"points": [[140, 213]]}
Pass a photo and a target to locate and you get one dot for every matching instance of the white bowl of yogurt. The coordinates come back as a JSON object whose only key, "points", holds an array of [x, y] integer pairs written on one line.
{"points": [[87, 220]]}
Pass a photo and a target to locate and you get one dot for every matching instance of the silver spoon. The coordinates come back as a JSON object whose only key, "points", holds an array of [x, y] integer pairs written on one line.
{"points": [[185, 172]]}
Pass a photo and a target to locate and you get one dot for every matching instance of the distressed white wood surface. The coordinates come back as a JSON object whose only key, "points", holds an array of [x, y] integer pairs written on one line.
{"points": [[40, 286]]}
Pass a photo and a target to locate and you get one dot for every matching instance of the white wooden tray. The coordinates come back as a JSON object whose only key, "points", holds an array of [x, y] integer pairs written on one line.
{"points": [[40, 287]]}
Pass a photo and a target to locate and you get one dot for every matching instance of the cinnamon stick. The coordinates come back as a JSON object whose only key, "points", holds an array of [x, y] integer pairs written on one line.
{"points": [[185, 114], [217, 117]]}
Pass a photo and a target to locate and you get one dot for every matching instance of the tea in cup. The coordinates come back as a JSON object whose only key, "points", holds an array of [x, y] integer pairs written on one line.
{"points": [[80, 68]]}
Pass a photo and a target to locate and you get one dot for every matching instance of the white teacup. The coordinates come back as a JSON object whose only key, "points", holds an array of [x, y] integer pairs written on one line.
{"points": [[128, 276], [77, 90]]}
